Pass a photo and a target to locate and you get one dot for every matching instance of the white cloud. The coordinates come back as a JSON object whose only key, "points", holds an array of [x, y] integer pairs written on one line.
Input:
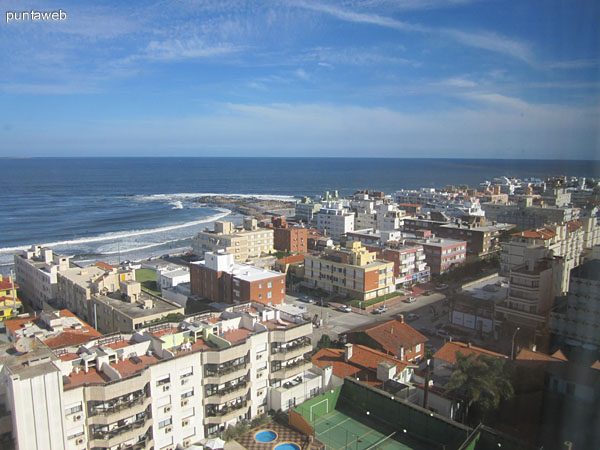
{"points": [[176, 49], [484, 40]]}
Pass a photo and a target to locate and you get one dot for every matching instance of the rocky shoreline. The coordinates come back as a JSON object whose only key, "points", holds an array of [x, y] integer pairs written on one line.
{"points": [[246, 206]]}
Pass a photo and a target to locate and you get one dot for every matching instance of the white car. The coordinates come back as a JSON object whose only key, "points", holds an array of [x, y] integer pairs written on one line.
{"points": [[344, 308], [410, 300]]}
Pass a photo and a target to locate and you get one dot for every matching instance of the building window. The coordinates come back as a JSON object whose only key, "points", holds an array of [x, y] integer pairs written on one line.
{"points": [[165, 423], [269, 284], [260, 285], [73, 409], [269, 294]]}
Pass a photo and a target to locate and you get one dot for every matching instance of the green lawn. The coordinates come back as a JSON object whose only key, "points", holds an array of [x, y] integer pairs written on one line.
{"points": [[374, 301], [147, 278]]}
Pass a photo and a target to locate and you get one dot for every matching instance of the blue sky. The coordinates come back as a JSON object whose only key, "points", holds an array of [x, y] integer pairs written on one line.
{"points": [[385, 78]]}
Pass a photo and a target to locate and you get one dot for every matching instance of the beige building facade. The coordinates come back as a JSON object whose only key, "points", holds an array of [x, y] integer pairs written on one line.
{"points": [[247, 242], [353, 271]]}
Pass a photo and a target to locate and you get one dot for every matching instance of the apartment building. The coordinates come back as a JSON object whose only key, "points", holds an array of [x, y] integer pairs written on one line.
{"points": [[219, 279], [306, 209], [565, 241], [334, 222], [288, 238], [162, 387], [36, 271], [352, 271], [410, 266], [373, 238], [532, 288], [578, 317], [243, 243], [482, 239], [525, 215], [441, 254], [77, 285]]}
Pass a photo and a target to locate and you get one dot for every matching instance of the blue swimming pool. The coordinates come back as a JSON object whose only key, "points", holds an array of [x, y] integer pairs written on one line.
{"points": [[287, 446], [265, 436]]}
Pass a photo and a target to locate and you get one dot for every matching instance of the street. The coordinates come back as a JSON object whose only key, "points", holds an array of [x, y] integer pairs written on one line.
{"points": [[337, 322]]}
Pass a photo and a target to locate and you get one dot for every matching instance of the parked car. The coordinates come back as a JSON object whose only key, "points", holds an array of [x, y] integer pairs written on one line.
{"points": [[380, 309], [411, 317], [443, 333], [344, 308], [410, 300], [442, 286], [322, 302], [428, 293]]}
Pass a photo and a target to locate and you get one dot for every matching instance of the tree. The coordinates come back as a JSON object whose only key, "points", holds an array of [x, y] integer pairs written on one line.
{"points": [[483, 381]]}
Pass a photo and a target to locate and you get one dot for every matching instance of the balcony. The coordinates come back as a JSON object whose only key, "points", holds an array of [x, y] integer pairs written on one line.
{"points": [[291, 351], [226, 374], [227, 394], [292, 369], [129, 407], [118, 435], [226, 414]]}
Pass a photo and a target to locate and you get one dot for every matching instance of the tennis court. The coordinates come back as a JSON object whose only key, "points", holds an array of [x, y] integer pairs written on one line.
{"points": [[339, 431]]}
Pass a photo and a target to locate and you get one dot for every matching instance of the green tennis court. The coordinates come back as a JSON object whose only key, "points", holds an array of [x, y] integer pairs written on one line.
{"points": [[339, 431]]}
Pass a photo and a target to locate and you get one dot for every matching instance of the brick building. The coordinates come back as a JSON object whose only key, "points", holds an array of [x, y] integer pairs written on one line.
{"points": [[219, 279], [287, 237], [442, 254]]}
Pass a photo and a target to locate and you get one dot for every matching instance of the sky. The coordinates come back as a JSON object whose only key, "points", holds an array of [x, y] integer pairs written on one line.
{"points": [[373, 78]]}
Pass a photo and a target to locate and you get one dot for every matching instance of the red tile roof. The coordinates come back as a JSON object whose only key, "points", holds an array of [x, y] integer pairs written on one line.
{"points": [[104, 266], [541, 233], [69, 336], [448, 351], [529, 355], [573, 225], [362, 364], [392, 334], [6, 285]]}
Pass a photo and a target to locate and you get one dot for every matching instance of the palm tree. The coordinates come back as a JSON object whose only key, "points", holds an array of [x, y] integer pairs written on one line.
{"points": [[481, 380]]}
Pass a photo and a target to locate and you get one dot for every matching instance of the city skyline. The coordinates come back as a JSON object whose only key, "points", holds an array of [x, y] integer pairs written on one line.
{"points": [[436, 79]]}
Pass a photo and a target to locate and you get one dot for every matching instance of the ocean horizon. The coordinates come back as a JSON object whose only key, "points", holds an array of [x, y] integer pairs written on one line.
{"points": [[137, 207]]}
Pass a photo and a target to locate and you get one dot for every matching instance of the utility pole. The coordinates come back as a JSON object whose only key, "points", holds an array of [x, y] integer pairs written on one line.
{"points": [[12, 282]]}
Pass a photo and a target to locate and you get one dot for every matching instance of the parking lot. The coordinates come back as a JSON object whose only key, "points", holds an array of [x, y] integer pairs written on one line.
{"points": [[429, 310]]}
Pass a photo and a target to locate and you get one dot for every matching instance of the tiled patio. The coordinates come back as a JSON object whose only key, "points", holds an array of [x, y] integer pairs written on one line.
{"points": [[284, 434]]}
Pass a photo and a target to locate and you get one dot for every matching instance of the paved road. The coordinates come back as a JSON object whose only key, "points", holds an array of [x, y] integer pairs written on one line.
{"points": [[336, 322]]}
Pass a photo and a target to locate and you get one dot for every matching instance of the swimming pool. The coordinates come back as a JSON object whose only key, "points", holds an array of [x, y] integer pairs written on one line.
{"points": [[287, 446], [266, 436]]}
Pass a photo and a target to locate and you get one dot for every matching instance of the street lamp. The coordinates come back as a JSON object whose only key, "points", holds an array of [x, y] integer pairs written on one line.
{"points": [[512, 344]]}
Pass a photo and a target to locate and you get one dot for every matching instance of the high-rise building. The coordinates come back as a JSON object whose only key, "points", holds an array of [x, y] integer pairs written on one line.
{"points": [[162, 387]]}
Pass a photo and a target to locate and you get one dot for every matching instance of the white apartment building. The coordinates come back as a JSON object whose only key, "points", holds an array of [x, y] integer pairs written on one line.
{"points": [[163, 387], [565, 241], [36, 271], [334, 222]]}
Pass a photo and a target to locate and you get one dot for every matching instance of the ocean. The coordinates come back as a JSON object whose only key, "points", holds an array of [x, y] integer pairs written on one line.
{"points": [[134, 208]]}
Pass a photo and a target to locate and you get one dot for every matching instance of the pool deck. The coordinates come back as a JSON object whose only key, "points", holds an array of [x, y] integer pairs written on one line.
{"points": [[284, 434]]}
